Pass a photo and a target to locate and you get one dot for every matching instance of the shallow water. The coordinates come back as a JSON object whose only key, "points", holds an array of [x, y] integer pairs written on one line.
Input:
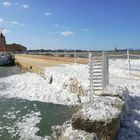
{"points": [[7, 71], [23, 119]]}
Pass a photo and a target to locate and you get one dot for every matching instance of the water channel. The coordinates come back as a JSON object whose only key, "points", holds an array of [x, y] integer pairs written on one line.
{"points": [[23, 119]]}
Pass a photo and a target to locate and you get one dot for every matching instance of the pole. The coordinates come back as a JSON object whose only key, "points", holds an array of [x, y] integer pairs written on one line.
{"points": [[75, 56], [105, 73], [128, 58], [91, 74]]}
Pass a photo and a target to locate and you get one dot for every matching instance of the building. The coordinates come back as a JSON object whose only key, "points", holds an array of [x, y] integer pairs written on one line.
{"points": [[10, 48], [15, 48], [2, 43]]}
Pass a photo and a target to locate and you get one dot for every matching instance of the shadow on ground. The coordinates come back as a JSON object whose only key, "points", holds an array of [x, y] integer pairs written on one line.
{"points": [[130, 126]]}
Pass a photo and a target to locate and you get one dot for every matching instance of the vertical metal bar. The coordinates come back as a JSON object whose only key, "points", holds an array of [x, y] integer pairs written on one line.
{"points": [[107, 63], [103, 70], [105, 74], [128, 58], [90, 74]]}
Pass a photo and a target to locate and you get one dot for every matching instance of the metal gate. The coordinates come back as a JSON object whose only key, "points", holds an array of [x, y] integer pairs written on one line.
{"points": [[98, 69]]}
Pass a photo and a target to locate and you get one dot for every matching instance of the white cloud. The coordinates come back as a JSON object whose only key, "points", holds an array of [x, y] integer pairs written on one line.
{"points": [[6, 3], [84, 29], [15, 22], [22, 25], [48, 13], [56, 25], [5, 31], [1, 20], [25, 6], [67, 33]]}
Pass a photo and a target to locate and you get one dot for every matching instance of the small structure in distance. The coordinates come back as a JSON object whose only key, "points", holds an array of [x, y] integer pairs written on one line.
{"points": [[10, 48], [2, 43]]}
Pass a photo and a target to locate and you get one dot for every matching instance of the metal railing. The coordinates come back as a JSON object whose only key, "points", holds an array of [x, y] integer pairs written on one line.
{"points": [[98, 71]]}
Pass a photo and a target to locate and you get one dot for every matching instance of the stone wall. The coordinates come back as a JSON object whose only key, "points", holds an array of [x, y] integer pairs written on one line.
{"points": [[98, 119]]}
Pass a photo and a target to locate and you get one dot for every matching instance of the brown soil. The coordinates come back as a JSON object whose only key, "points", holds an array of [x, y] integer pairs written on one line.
{"points": [[46, 61]]}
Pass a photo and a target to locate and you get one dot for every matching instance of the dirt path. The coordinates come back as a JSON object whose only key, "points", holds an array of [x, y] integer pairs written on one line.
{"points": [[47, 61], [39, 62]]}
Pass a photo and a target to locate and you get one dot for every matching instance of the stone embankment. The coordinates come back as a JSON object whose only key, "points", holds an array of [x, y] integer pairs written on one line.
{"points": [[98, 119]]}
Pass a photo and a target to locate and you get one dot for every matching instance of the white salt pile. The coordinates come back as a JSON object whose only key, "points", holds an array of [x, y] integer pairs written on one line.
{"points": [[33, 87]]}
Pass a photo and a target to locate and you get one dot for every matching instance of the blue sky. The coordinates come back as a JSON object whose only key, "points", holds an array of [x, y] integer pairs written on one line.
{"points": [[72, 24]]}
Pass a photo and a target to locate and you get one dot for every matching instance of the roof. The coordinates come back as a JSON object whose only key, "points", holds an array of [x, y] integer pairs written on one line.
{"points": [[1, 35]]}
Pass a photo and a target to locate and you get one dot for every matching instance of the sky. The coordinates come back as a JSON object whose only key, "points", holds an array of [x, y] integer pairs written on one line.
{"points": [[71, 24]]}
